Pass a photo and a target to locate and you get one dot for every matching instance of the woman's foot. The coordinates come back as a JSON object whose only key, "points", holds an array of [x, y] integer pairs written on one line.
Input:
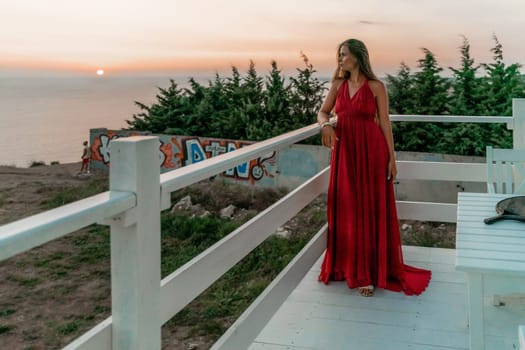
{"points": [[367, 291]]}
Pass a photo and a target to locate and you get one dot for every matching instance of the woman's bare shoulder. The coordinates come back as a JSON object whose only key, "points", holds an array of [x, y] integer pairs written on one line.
{"points": [[336, 83], [377, 86]]}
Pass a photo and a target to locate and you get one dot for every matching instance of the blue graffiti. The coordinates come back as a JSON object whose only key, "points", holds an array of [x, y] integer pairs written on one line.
{"points": [[194, 152], [241, 170]]}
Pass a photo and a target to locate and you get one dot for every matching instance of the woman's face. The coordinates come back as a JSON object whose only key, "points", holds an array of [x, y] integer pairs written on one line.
{"points": [[347, 61]]}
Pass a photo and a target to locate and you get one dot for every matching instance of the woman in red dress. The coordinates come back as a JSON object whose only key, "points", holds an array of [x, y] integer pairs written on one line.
{"points": [[364, 244]]}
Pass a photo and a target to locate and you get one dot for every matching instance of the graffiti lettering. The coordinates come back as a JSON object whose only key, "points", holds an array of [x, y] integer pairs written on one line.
{"points": [[178, 156], [241, 170], [177, 151], [194, 151], [215, 148], [166, 155], [104, 148]]}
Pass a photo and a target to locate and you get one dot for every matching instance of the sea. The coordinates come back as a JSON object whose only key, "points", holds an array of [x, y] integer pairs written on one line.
{"points": [[46, 118]]}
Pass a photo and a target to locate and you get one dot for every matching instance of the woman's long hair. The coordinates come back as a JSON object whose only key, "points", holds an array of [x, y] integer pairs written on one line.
{"points": [[360, 52]]}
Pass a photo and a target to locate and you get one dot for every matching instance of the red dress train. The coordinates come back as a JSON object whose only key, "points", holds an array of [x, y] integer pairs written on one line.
{"points": [[364, 243]]}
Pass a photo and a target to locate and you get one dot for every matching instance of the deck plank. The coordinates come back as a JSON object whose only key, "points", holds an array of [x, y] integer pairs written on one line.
{"points": [[319, 316]]}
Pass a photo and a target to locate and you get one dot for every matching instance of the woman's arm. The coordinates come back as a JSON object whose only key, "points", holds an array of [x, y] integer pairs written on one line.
{"points": [[326, 108], [381, 96], [323, 116]]}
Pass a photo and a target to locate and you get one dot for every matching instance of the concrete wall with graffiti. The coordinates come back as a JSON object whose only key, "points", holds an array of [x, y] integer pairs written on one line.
{"points": [[288, 167]]}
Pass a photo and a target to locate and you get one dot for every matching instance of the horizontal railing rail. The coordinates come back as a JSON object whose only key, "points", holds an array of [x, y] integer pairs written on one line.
{"points": [[24, 234], [453, 119], [187, 175], [441, 171]]}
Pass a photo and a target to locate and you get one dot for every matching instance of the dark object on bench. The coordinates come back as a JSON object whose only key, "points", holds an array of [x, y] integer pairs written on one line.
{"points": [[512, 208]]}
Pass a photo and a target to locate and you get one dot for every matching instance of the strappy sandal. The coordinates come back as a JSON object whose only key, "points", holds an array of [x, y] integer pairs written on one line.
{"points": [[367, 291]]}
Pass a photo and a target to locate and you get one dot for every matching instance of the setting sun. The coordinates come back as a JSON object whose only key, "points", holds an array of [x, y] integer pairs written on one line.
{"points": [[100, 72]]}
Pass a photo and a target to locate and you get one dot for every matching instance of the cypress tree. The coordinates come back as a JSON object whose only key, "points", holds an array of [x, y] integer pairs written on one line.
{"points": [[502, 83], [306, 96], [466, 99]]}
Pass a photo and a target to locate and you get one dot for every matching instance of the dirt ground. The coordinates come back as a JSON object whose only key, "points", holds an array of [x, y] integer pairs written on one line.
{"points": [[22, 190], [41, 291]]}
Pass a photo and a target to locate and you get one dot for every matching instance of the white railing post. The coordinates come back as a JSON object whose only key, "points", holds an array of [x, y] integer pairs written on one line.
{"points": [[518, 113], [135, 246]]}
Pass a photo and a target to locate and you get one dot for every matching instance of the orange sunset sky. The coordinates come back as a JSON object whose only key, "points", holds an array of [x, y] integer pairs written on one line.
{"points": [[143, 36]]}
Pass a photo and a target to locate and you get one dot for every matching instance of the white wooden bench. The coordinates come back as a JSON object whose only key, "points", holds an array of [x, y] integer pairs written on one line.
{"points": [[493, 257]]}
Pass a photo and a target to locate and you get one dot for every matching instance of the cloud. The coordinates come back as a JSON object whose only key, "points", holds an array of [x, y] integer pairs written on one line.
{"points": [[368, 22]]}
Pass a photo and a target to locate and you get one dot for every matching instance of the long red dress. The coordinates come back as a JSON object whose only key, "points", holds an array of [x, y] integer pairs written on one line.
{"points": [[364, 244]]}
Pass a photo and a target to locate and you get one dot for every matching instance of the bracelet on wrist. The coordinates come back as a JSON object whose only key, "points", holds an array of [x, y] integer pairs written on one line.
{"points": [[323, 124]]}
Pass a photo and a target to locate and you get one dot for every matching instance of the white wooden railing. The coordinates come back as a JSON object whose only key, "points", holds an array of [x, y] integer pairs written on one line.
{"points": [[141, 301]]}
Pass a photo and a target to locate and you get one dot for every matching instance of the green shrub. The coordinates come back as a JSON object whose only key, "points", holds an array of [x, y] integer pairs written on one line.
{"points": [[35, 163]]}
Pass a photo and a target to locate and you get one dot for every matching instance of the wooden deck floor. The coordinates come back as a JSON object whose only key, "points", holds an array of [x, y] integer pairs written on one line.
{"points": [[333, 317]]}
